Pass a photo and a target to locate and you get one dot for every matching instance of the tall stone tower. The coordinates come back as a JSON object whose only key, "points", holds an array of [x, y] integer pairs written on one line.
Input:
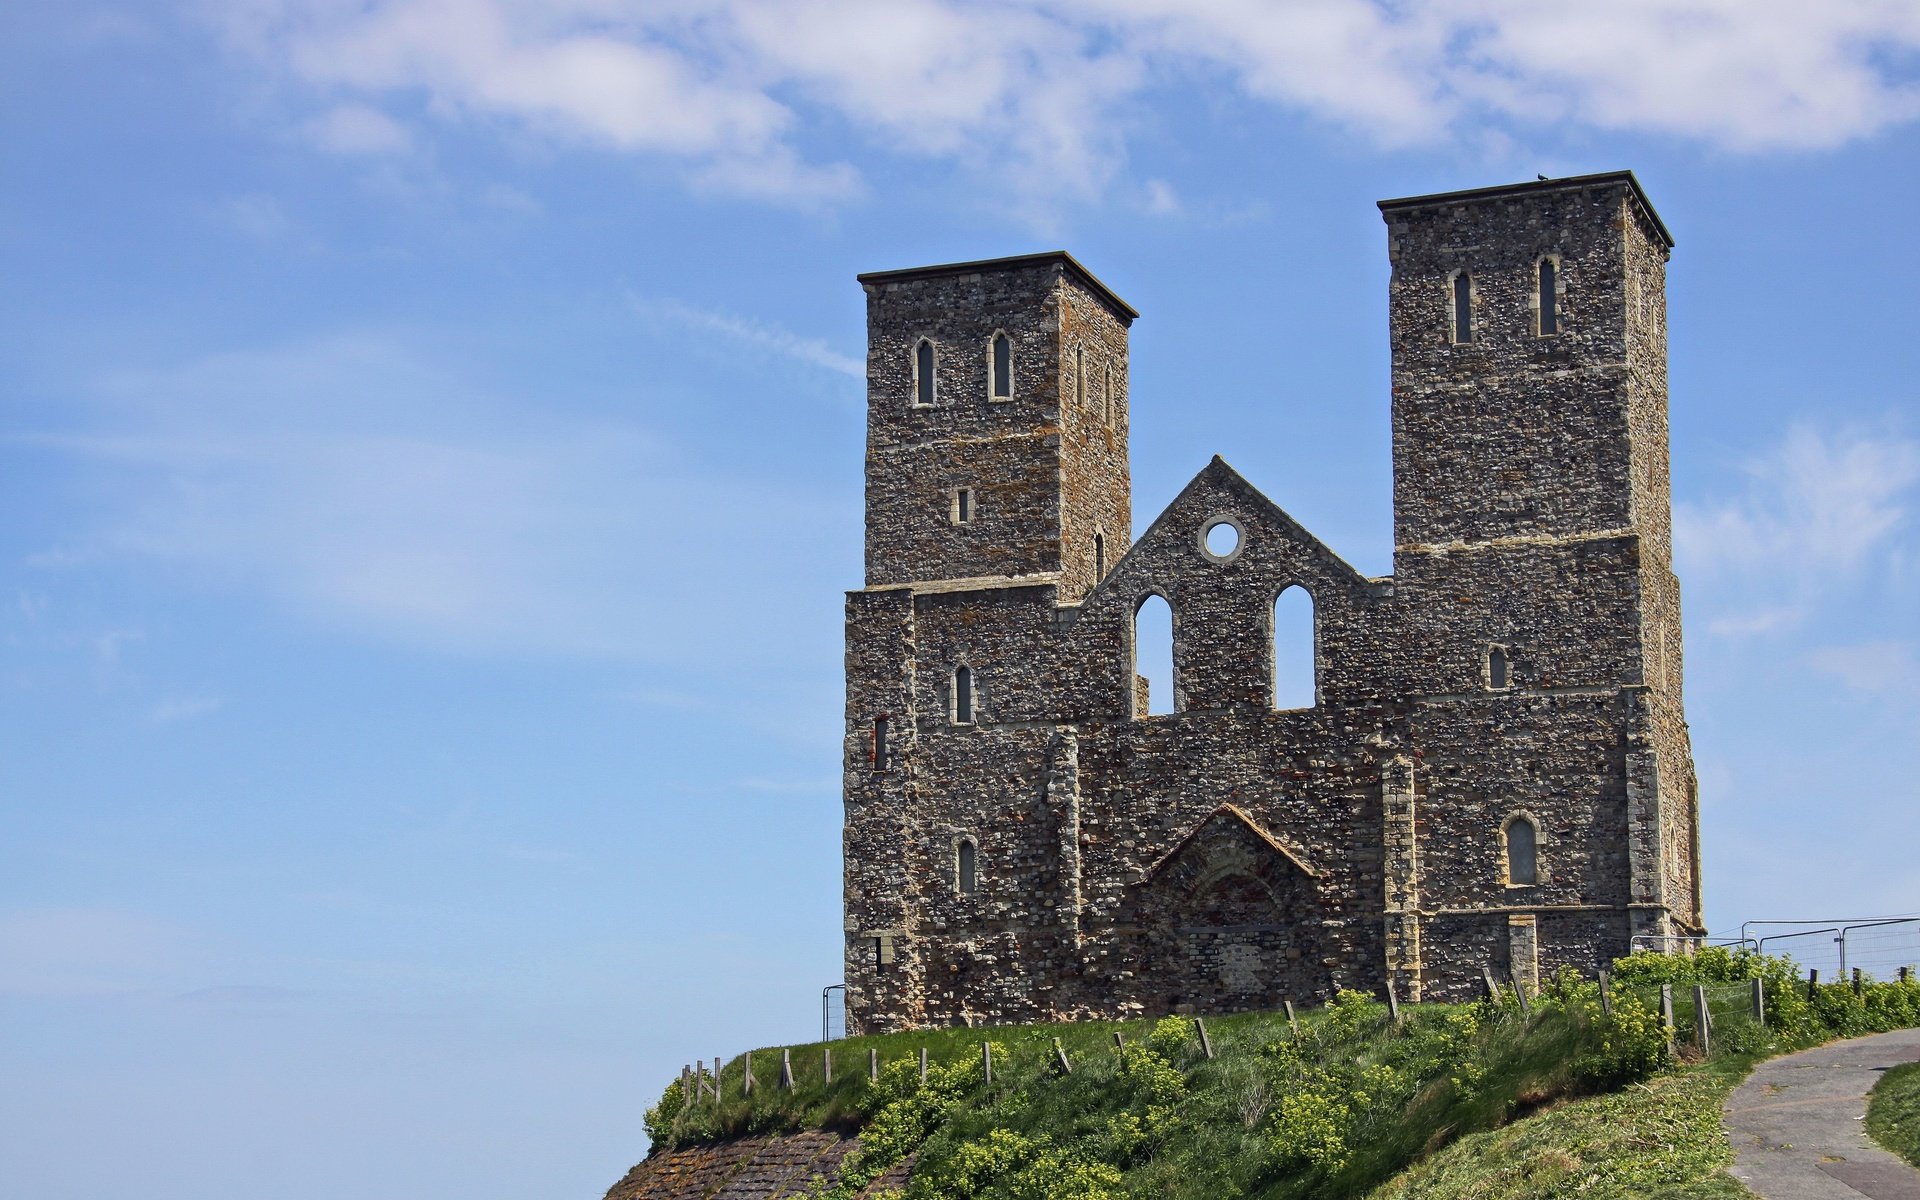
{"points": [[1532, 508], [996, 423]]}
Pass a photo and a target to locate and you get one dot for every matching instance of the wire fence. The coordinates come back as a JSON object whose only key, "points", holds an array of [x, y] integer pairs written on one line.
{"points": [[1876, 946]]}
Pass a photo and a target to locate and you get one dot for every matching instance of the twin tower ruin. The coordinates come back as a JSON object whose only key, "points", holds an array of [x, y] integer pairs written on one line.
{"points": [[1493, 771]]}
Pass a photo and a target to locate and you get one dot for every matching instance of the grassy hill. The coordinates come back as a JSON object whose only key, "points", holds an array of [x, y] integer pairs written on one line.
{"points": [[1345, 1102]]}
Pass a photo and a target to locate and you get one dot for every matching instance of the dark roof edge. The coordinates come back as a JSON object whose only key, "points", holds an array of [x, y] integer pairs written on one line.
{"points": [[1543, 185], [1006, 264]]}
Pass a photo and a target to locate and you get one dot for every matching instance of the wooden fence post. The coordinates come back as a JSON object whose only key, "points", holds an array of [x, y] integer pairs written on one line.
{"points": [[986, 1061], [873, 1065], [1293, 1022], [1606, 993], [923, 1066], [746, 1076], [1519, 992], [786, 1069], [1060, 1052], [1666, 1013], [686, 1085], [716, 1080], [1904, 973], [826, 1064], [1119, 1043], [1493, 989], [1702, 1020], [699, 1080], [1206, 1043], [1858, 984], [1760, 1003], [1813, 982], [1393, 1004]]}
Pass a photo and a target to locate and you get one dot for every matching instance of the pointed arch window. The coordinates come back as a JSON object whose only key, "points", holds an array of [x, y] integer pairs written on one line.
{"points": [[1499, 669], [1000, 364], [1099, 557], [963, 696], [925, 359], [966, 867], [1462, 285], [1522, 851], [1549, 297]]}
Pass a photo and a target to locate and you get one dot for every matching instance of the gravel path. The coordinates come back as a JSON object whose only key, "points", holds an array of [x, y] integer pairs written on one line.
{"points": [[1796, 1124]]}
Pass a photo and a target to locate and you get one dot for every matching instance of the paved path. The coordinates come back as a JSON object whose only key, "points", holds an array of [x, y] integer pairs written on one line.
{"points": [[1796, 1124]]}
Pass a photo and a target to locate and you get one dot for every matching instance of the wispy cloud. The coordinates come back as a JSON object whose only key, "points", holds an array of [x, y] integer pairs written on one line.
{"points": [[1817, 509], [359, 129], [1037, 92], [743, 331], [359, 483], [184, 708], [1870, 667]]}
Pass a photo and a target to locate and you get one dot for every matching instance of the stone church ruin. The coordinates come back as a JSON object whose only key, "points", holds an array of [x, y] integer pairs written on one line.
{"points": [[1492, 770]]}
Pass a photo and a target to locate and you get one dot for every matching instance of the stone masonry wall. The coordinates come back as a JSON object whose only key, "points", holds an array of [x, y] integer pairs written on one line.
{"points": [[1058, 852]]}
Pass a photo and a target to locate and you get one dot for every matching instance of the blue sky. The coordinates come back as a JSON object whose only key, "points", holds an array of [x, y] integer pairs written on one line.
{"points": [[431, 450]]}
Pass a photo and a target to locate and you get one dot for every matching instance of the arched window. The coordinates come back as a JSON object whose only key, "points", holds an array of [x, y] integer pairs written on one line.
{"points": [[1002, 367], [1099, 557], [1499, 675], [1294, 682], [1153, 686], [963, 695], [1523, 859], [1080, 374], [1462, 307], [965, 866], [880, 748], [923, 365], [1549, 298]]}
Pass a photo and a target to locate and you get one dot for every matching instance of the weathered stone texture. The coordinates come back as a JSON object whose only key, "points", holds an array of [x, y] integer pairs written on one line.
{"points": [[754, 1168], [1230, 855]]}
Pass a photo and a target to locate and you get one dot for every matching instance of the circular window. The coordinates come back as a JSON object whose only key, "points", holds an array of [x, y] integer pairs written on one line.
{"points": [[1221, 539]]}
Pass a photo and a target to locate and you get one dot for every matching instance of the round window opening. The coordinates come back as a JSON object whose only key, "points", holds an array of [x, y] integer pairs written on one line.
{"points": [[1221, 539]]}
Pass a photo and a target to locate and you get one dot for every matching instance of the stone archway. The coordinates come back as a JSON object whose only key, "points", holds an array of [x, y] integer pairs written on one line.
{"points": [[1229, 915]]}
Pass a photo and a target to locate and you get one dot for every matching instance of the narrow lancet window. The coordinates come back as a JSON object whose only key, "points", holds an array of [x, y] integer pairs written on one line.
{"points": [[1002, 367], [880, 750], [1294, 680], [963, 695], [1462, 307], [1153, 678], [1106, 396], [1499, 677], [1080, 374], [923, 364], [963, 506], [1549, 299], [1099, 557], [1522, 852], [966, 867]]}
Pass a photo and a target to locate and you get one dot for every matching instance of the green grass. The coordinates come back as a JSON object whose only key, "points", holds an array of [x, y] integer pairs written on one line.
{"points": [[1661, 1138], [1456, 1102], [1893, 1112]]}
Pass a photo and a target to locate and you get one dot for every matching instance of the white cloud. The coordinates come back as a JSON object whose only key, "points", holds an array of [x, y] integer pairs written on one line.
{"points": [[362, 485], [1037, 92], [1818, 508], [1162, 200], [745, 332], [184, 708], [1872, 667], [358, 129]]}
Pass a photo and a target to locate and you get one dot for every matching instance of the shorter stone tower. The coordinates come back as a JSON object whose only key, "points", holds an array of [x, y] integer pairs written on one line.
{"points": [[1493, 772]]}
